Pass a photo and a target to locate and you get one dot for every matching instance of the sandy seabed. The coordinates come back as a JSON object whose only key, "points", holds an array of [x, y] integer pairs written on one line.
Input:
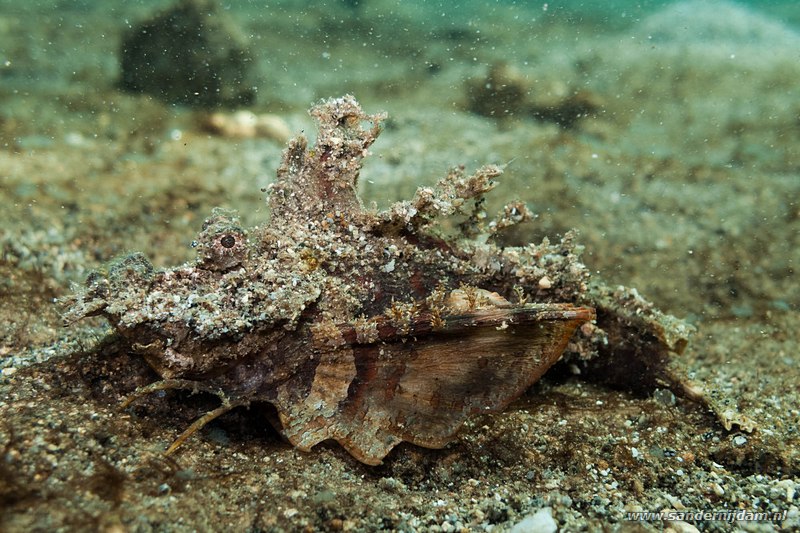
{"points": [[683, 182]]}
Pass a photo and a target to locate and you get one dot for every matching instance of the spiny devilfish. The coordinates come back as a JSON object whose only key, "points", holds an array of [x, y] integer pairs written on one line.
{"points": [[371, 327]]}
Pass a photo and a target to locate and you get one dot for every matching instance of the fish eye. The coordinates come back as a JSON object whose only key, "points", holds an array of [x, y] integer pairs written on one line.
{"points": [[228, 241]]}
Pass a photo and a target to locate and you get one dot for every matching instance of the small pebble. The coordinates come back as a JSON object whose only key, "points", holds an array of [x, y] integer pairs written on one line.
{"points": [[323, 496], [541, 521], [664, 397], [680, 526]]}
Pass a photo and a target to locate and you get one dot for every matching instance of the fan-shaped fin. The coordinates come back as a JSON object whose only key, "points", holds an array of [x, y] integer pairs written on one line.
{"points": [[371, 397]]}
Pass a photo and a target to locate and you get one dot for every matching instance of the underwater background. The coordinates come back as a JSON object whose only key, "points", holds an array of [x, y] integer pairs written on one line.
{"points": [[666, 133]]}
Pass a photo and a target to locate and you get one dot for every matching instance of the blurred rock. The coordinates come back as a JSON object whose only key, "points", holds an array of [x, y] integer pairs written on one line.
{"points": [[503, 92], [244, 124], [190, 54], [568, 110], [507, 92]]}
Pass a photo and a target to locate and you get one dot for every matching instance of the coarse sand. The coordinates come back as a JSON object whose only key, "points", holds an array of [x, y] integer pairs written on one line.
{"points": [[683, 181]]}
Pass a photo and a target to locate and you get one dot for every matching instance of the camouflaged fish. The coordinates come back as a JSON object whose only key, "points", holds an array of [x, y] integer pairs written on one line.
{"points": [[373, 327]]}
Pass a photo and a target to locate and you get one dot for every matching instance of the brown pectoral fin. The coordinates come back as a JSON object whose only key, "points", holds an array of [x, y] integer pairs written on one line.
{"points": [[421, 389]]}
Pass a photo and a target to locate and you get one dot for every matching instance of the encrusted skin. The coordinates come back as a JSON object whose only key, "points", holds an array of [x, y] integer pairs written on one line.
{"points": [[367, 327]]}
